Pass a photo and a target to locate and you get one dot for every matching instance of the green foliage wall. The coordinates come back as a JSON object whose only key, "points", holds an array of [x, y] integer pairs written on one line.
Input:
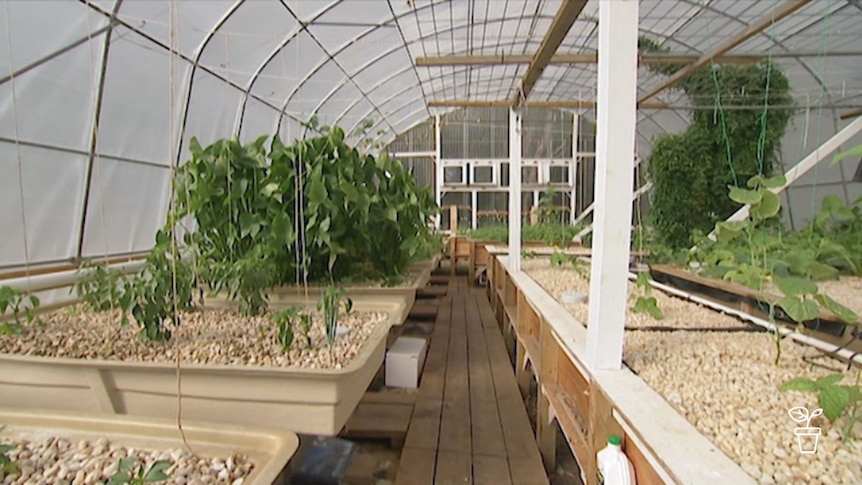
{"points": [[723, 146]]}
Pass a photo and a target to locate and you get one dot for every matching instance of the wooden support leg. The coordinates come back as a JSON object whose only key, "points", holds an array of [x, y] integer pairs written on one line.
{"points": [[546, 433], [523, 374]]}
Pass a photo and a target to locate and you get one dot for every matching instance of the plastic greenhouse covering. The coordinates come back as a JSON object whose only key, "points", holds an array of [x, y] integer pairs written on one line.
{"points": [[101, 97]]}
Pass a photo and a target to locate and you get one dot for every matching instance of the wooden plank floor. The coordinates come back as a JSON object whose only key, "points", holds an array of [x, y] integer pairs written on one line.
{"points": [[469, 423]]}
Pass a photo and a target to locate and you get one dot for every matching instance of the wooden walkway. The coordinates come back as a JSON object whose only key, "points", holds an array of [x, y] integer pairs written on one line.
{"points": [[469, 424]]}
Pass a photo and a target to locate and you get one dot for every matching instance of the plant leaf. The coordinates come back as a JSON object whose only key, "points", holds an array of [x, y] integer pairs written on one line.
{"points": [[775, 182], [794, 285], [744, 196], [834, 401], [800, 310], [156, 473], [857, 150], [845, 314], [829, 380], [799, 384], [767, 207]]}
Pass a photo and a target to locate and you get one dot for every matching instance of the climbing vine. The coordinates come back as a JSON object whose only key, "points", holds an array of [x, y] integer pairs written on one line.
{"points": [[739, 115]]}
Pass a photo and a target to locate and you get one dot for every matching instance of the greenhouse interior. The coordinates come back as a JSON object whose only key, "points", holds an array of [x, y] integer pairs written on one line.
{"points": [[398, 242]]}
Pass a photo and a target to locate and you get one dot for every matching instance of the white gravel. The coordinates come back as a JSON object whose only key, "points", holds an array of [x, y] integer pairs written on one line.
{"points": [[204, 337], [59, 461], [726, 385]]}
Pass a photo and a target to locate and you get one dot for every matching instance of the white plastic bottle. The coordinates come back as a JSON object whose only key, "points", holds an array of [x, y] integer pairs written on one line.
{"points": [[614, 466]]}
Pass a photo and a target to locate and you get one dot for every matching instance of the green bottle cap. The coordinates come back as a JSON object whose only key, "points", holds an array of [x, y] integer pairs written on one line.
{"points": [[615, 440]]}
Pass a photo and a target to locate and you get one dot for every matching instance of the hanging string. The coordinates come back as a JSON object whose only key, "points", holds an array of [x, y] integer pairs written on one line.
{"points": [[824, 36], [18, 149], [172, 43], [719, 111], [301, 195]]}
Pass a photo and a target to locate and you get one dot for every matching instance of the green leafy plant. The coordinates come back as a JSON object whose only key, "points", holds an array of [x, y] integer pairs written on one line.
{"points": [[285, 320], [329, 305], [162, 288], [690, 170], [20, 306], [131, 472], [756, 251], [316, 210], [646, 303], [836, 400], [100, 288]]}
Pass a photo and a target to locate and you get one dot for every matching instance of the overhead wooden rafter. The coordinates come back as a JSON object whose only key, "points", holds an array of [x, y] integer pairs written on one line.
{"points": [[646, 58], [568, 104], [851, 114], [729, 43], [560, 26]]}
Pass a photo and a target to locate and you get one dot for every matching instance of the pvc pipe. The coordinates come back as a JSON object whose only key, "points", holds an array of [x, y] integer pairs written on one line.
{"points": [[799, 337], [62, 278]]}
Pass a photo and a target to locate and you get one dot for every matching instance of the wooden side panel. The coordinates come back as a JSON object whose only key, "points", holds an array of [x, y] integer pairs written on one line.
{"points": [[645, 474]]}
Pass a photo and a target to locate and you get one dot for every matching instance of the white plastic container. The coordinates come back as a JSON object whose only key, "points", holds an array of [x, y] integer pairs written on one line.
{"points": [[614, 466]]}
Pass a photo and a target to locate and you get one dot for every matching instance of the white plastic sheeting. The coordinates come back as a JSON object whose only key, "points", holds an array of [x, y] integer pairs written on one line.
{"points": [[252, 67]]}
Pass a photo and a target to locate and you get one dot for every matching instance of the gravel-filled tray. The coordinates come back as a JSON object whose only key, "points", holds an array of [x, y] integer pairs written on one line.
{"points": [[726, 383], [205, 337], [231, 369], [49, 447]]}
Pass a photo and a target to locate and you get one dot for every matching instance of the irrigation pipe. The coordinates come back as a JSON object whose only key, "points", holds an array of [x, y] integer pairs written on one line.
{"points": [[61, 279], [799, 337]]}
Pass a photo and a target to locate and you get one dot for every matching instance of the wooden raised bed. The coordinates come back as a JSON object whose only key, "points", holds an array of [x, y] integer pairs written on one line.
{"points": [[828, 327], [589, 405], [705, 375], [268, 450], [302, 400]]}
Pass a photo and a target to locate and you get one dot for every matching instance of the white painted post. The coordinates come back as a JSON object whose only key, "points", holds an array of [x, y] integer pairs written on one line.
{"points": [[475, 203], [438, 167], [515, 189], [616, 98], [574, 175]]}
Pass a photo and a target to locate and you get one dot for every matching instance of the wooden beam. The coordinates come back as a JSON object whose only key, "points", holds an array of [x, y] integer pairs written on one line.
{"points": [[770, 18], [592, 58], [504, 59], [560, 26], [570, 104], [851, 114]]}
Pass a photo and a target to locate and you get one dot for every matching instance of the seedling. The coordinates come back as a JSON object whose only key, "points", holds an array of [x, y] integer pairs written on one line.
{"points": [[20, 306], [285, 320], [131, 472], [646, 303], [329, 305]]}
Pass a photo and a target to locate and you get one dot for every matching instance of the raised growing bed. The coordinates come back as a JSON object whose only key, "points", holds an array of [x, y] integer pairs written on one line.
{"points": [[720, 374], [828, 327], [402, 295], [232, 369], [79, 448]]}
